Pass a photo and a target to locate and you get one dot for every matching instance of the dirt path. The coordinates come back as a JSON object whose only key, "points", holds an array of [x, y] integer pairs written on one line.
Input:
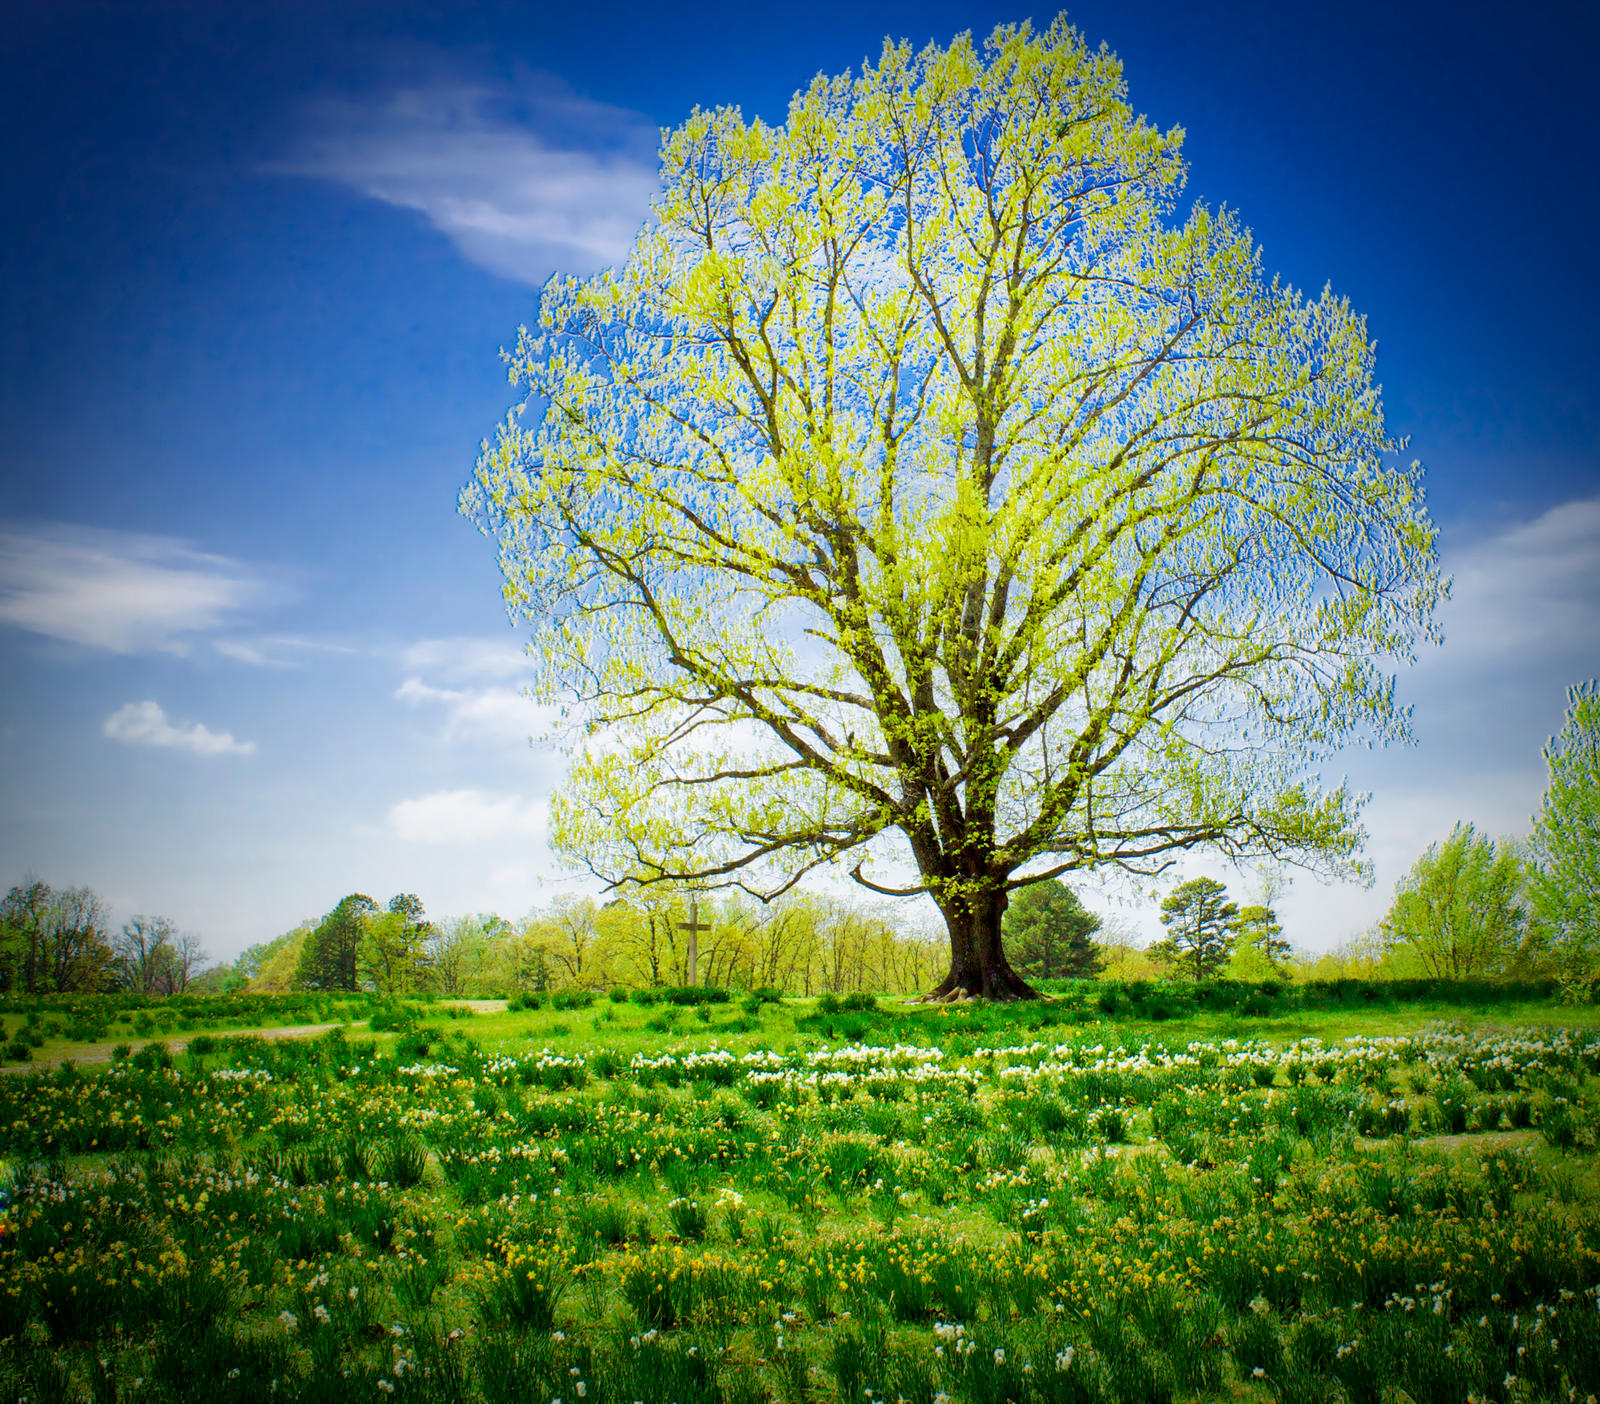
{"points": [[101, 1052]]}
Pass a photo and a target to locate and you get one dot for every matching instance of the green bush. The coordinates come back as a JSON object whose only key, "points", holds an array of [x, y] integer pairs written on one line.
{"points": [[697, 994]]}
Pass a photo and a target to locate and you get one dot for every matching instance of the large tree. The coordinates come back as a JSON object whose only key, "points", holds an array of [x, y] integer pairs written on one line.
{"points": [[1564, 883], [918, 490], [143, 951], [1049, 933], [1202, 925]]}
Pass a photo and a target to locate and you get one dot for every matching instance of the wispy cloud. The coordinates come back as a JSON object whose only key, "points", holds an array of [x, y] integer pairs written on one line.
{"points": [[466, 658], [277, 651], [121, 591], [467, 816], [146, 724], [478, 714], [524, 181], [1528, 593]]}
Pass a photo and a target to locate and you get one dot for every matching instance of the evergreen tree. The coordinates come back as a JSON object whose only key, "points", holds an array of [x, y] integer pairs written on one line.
{"points": [[1048, 933], [1201, 928], [328, 961]]}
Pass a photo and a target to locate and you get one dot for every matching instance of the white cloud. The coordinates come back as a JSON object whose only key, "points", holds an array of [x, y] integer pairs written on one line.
{"points": [[467, 816], [524, 182], [242, 652], [465, 659], [121, 591], [267, 652], [479, 714], [1529, 593], [146, 724]]}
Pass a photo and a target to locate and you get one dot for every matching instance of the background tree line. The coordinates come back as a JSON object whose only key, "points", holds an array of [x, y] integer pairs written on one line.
{"points": [[806, 943], [61, 942], [1472, 907]]}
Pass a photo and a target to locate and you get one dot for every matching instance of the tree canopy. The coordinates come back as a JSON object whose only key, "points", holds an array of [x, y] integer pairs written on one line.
{"points": [[330, 959], [920, 493], [54, 940]]}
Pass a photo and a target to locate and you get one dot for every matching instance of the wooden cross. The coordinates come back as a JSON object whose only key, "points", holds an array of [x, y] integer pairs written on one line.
{"points": [[694, 928]]}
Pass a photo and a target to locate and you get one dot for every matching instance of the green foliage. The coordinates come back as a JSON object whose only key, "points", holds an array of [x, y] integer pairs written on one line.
{"points": [[1460, 911], [1201, 925], [943, 1210], [54, 941], [330, 958], [1258, 932], [907, 480], [1048, 933], [1564, 884], [394, 947]]}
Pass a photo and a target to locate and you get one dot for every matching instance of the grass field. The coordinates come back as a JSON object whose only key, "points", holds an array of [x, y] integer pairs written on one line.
{"points": [[753, 1201]]}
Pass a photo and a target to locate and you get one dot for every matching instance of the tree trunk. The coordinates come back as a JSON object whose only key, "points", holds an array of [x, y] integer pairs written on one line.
{"points": [[978, 965]]}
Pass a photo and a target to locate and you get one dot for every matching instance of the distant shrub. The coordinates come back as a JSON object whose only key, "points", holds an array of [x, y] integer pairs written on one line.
{"points": [[619, 995], [572, 999], [394, 1018], [649, 994], [697, 994]]}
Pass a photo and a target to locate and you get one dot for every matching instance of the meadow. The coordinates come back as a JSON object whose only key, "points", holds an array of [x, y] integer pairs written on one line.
{"points": [[696, 1198]]}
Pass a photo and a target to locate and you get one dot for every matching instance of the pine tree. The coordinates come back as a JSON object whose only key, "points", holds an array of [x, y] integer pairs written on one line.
{"points": [[1048, 931], [1201, 928], [329, 958]]}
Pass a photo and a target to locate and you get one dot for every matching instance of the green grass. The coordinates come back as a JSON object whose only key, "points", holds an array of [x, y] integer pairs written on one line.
{"points": [[1050, 1209]]}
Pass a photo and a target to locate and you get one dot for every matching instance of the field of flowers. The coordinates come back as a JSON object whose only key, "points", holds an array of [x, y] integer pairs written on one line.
{"points": [[443, 1218]]}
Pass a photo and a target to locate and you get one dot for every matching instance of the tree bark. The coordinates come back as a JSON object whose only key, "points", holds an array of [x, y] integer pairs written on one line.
{"points": [[978, 965]]}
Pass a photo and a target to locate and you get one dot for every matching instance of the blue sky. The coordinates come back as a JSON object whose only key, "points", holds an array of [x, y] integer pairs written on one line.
{"points": [[257, 266]]}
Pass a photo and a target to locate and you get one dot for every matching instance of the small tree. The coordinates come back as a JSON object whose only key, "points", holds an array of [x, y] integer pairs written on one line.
{"points": [[1564, 883], [1460, 911], [395, 947], [142, 952], [1201, 929], [1259, 941], [1048, 933]]}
